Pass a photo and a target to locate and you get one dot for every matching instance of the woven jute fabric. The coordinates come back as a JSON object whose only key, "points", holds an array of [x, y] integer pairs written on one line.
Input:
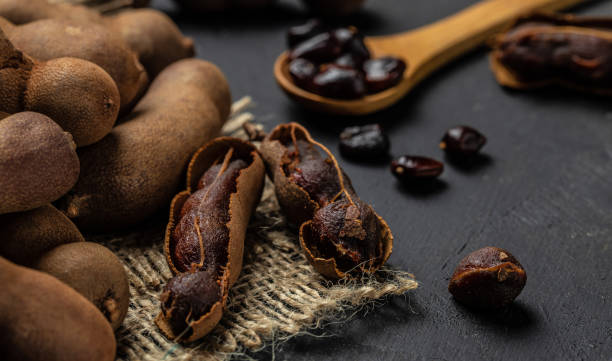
{"points": [[278, 295]]}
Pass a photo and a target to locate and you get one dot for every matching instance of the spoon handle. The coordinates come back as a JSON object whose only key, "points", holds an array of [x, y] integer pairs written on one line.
{"points": [[428, 48]]}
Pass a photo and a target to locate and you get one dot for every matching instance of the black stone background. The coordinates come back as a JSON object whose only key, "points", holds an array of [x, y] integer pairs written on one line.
{"points": [[542, 191]]}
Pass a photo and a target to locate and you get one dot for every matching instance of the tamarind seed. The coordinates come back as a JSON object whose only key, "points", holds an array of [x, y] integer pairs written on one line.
{"points": [[338, 82], [364, 142], [410, 168], [302, 72], [320, 48], [383, 73], [462, 141], [353, 43], [349, 61]]}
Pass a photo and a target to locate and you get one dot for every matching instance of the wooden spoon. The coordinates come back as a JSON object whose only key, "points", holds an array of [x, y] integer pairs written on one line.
{"points": [[424, 50]]}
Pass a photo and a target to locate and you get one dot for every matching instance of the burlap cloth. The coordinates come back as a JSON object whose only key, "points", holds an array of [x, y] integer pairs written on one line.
{"points": [[277, 296]]}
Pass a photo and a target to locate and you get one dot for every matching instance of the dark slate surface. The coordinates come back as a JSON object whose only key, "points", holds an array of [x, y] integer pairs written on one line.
{"points": [[543, 190]]}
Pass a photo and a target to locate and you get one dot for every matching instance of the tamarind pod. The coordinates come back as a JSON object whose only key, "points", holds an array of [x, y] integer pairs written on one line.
{"points": [[208, 220], [153, 36], [26, 236], [78, 95], [48, 39], [38, 161], [135, 170], [93, 271], [340, 234], [150, 33], [41, 318]]}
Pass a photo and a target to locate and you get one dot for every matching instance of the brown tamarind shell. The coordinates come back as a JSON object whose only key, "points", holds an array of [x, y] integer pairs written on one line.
{"points": [[300, 208], [328, 267], [242, 204]]}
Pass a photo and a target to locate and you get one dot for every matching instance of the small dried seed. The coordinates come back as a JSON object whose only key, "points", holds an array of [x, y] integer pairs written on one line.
{"points": [[365, 142], [349, 61], [409, 168], [462, 141], [319, 49], [340, 83], [302, 72], [383, 73]]}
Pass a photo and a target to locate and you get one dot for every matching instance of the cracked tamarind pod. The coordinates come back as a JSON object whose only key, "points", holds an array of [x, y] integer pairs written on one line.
{"points": [[205, 236], [565, 50], [137, 169], [340, 234]]}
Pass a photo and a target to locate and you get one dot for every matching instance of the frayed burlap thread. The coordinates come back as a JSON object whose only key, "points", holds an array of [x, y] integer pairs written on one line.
{"points": [[277, 296]]}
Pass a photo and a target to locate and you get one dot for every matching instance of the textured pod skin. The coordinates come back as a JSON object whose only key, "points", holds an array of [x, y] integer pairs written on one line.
{"points": [[137, 168], [334, 7], [80, 96], [14, 11], [150, 33], [43, 319], [38, 162], [93, 271], [555, 49], [223, 5], [196, 286], [153, 36], [340, 234], [28, 235], [488, 278], [77, 94], [56, 38]]}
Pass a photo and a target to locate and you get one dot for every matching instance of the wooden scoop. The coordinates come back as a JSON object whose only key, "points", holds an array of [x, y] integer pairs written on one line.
{"points": [[424, 50]]}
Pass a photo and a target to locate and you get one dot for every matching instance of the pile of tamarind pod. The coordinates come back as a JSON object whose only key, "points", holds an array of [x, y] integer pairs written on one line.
{"points": [[49, 39], [77, 94], [205, 236], [69, 311], [555, 49], [340, 234], [65, 297], [68, 165], [136, 169], [151, 34], [323, 7]]}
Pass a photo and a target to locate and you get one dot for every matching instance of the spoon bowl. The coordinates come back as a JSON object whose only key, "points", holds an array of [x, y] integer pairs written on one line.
{"points": [[424, 50]]}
